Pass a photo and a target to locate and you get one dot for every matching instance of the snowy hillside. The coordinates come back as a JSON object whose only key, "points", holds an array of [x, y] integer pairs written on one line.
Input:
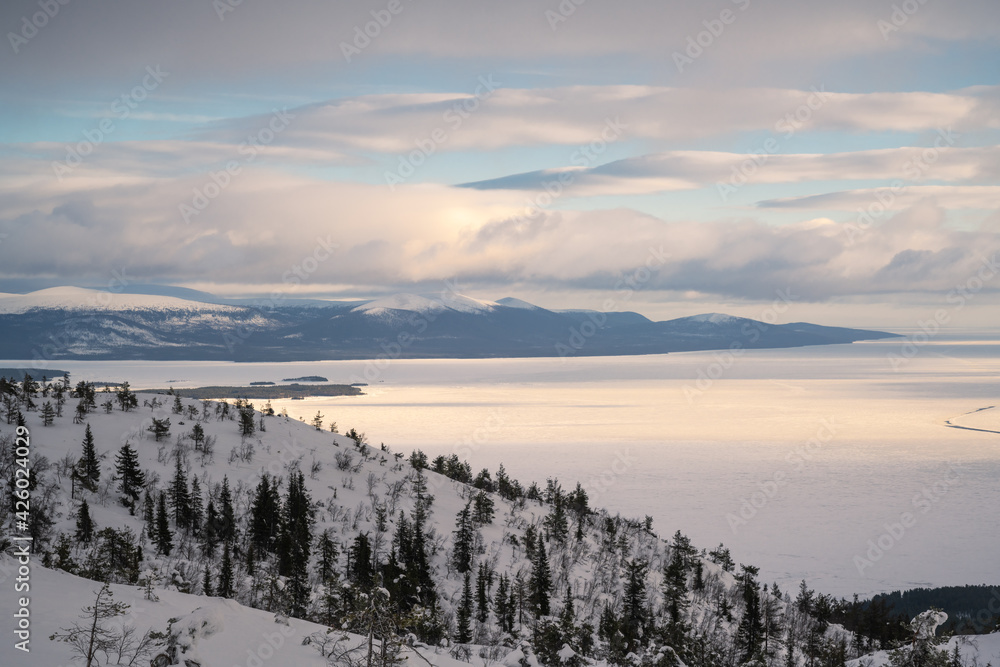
{"points": [[194, 501], [165, 323]]}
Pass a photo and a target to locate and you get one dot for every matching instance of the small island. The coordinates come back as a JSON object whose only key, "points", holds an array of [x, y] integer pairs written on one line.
{"points": [[307, 378], [295, 391], [261, 384]]}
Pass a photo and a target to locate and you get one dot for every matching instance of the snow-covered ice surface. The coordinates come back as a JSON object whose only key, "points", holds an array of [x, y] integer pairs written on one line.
{"points": [[832, 444]]}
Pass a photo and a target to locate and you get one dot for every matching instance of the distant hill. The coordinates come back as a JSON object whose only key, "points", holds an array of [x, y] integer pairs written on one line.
{"points": [[74, 323]]}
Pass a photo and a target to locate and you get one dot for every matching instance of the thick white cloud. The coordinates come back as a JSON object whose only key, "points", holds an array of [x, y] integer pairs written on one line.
{"points": [[265, 225]]}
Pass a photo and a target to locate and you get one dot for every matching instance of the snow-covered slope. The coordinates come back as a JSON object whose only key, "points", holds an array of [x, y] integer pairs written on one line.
{"points": [[355, 489], [415, 303], [78, 298]]}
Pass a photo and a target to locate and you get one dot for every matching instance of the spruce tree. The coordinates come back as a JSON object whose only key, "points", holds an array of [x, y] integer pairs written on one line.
{"points": [[226, 573], [206, 582], [164, 537], [48, 414], [265, 515], [540, 583], [465, 536], [227, 516], [482, 597], [327, 565], [464, 614], [180, 501], [675, 601], [197, 506], [634, 617], [89, 467], [295, 543], [210, 533], [751, 628], [503, 605], [84, 524], [359, 562], [131, 477]]}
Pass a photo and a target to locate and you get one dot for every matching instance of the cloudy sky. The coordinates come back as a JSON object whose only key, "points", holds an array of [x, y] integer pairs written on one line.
{"points": [[711, 155]]}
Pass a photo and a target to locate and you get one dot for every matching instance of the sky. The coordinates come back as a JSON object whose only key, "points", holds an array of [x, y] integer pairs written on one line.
{"points": [[667, 157]]}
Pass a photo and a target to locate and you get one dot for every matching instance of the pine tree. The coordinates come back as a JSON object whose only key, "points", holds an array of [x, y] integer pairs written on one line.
{"points": [[247, 424], [465, 536], [84, 524], [198, 436], [164, 537], [464, 614], [131, 477], [226, 573], [178, 406], [180, 501], [89, 467], [540, 583]]}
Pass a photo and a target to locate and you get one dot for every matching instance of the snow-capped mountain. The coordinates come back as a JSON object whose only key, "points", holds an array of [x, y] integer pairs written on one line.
{"points": [[173, 323]]}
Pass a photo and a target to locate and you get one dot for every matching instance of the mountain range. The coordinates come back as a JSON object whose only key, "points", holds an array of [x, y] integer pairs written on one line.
{"points": [[165, 323]]}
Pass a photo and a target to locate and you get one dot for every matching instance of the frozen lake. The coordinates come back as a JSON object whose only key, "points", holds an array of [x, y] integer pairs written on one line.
{"points": [[830, 464]]}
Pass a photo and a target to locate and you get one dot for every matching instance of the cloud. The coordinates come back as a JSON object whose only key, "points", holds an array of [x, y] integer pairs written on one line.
{"points": [[895, 198], [491, 117], [266, 225], [685, 170]]}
